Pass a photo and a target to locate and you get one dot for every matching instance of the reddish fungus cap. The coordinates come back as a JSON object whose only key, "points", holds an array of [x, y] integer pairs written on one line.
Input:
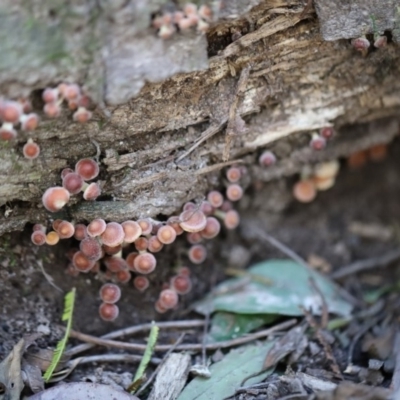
{"points": [[108, 312], [110, 293], [145, 263], [55, 198], [132, 231], [31, 150], [193, 221], [87, 168], [168, 298], [113, 235]]}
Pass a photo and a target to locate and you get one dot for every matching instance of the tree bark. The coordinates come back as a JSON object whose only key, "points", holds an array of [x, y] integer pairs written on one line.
{"points": [[170, 114]]}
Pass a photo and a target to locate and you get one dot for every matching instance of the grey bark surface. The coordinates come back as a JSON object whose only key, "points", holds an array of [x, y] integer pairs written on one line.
{"points": [[157, 99]]}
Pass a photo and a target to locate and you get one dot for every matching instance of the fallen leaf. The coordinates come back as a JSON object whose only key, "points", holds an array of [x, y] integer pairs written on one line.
{"points": [[289, 292], [227, 374]]}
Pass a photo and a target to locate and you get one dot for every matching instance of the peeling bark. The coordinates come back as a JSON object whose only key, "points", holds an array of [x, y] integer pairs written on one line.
{"points": [[165, 146]]}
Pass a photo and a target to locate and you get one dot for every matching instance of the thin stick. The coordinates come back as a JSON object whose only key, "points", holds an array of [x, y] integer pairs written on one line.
{"points": [[193, 347], [136, 329], [215, 167], [101, 358], [153, 375], [364, 265], [207, 134]]}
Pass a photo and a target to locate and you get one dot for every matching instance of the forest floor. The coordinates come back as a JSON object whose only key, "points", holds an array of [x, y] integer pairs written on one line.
{"points": [[358, 219]]}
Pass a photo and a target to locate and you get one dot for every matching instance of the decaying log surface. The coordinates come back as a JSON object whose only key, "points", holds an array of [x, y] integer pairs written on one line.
{"points": [[171, 114]]}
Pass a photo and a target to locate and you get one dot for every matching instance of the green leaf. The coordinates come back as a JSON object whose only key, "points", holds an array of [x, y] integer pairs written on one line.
{"points": [[145, 359], [226, 326], [69, 302], [227, 374], [290, 290]]}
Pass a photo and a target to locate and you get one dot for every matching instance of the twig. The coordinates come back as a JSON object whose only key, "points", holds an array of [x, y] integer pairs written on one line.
{"points": [[48, 277], [324, 313], [207, 134], [136, 329], [364, 265], [153, 375], [306, 9], [101, 358], [214, 167], [234, 120], [360, 333], [187, 347], [327, 347]]}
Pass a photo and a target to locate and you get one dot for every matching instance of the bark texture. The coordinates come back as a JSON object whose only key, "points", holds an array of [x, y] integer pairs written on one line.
{"points": [[171, 114]]}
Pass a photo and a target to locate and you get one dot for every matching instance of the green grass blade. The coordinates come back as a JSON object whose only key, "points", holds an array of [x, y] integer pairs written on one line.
{"points": [[69, 302], [146, 357]]}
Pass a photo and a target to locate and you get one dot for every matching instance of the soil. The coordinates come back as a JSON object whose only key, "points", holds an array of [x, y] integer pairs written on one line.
{"points": [[368, 195]]}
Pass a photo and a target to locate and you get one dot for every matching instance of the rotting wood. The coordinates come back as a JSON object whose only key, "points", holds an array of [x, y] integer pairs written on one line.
{"points": [[172, 377], [298, 83]]}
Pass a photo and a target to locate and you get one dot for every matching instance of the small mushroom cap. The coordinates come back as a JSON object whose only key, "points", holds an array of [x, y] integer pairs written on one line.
{"points": [[82, 263], [327, 169], [174, 222], [108, 312], [206, 208], [31, 150], [212, 228], [7, 132], [110, 293], [52, 110], [267, 158], [52, 238], [96, 227], [194, 237], [29, 122], [65, 230], [141, 283], [181, 284], [80, 232], [146, 226], [115, 264], [38, 238], [141, 244], [92, 192], [11, 111], [91, 248], [215, 198], [193, 221], [231, 219], [154, 245], [55, 198], [87, 168], [123, 276], [166, 234], [145, 263], [130, 258], [233, 174], [159, 308], [168, 298], [234, 192], [197, 254], [113, 235], [73, 182], [132, 231], [112, 250], [305, 191]]}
